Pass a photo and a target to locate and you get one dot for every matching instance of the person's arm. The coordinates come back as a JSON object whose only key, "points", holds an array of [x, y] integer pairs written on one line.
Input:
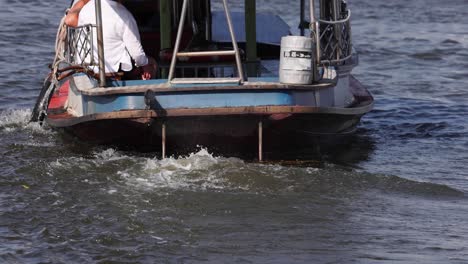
{"points": [[71, 19], [131, 38]]}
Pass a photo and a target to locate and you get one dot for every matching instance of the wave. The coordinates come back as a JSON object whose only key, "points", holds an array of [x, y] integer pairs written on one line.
{"points": [[203, 172], [196, 171], [450, 42], [13, 120], [14, 117], [430, 55]]}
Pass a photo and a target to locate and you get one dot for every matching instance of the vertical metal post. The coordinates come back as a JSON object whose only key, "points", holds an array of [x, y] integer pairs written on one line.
{"points": [[190, 16], [312, 11], [348, 27], [317, 43], [314, 34], [325, 7], [177, 43], [165, 27], [163, 140], [260, 141], [251, 36], [100, 42], [234, 42], [208, 20], [302, 17], [175, 12], [336, 16]]}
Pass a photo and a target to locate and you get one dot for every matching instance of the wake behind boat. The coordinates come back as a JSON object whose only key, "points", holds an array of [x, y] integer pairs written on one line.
{"points": [[260, 91]]}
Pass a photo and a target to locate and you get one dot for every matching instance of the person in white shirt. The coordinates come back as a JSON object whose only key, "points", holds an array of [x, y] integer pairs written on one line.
{"points": [[122, 46]]}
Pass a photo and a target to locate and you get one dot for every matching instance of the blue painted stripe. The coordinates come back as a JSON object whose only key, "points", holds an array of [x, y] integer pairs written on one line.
{"points": [[264, 79], [102, 104]]}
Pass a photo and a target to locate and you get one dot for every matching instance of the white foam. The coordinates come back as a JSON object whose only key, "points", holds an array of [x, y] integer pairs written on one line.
{"points": [[14, 117], [199, 171], [109, 154], [56, 164], [312, 170], [195, 171], [12, 120], [38, 144]]}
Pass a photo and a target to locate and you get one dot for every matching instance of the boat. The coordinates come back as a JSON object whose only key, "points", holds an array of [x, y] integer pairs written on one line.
{"points": [[233, 82]]}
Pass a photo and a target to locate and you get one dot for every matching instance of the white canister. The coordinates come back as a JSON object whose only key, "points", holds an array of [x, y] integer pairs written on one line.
{"points": [[296, 60]]}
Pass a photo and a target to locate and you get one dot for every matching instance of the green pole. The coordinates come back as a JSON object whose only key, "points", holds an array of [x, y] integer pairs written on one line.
{"points": [[165, 28], [251, 37]]}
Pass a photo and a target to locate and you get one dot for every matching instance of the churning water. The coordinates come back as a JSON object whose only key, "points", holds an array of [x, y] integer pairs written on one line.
{"points": [[396, 193]]}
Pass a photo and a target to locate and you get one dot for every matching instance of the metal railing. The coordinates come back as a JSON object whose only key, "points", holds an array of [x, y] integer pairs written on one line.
{"points": [[334, 43], [79, 48], [178, 54], [208, 69], [333, 38]]}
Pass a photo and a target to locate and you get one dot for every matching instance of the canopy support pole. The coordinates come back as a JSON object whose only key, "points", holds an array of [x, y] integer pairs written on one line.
{"points": [[312, 11], [315, 35], [302, 18], [165, 27], [251, 37], [100, 42]]}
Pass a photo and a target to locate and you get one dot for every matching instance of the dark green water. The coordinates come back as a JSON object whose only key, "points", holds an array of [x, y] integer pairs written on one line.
{"points": [[396, 193]]}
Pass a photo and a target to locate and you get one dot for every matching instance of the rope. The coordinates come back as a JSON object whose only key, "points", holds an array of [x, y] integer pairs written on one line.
{"points": [[60, 42]]}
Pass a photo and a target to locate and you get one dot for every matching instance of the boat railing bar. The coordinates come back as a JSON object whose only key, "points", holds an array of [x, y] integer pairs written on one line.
{"points": [[334, 43], [80, 50], [191, 81], [206, 53], [341, 21]]}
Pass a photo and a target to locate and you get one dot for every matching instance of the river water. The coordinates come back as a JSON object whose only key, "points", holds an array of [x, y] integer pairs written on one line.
{"points": [[396, 193]]}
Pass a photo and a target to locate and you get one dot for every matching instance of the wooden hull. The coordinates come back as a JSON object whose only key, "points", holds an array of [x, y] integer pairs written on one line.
{"points": [[108, 117], [225, 134]]}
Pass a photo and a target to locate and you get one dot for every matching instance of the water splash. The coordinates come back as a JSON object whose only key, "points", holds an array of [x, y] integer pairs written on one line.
{"points": [[198, 170], [13, 120], [14, 117], [202, 171]]}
